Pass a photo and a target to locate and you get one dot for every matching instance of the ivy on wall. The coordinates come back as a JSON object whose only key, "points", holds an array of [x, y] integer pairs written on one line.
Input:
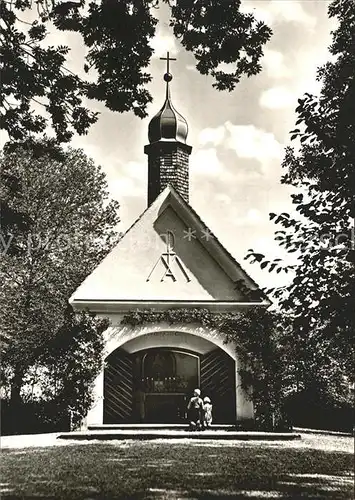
{"points": [[261, 342], [172, 316]]}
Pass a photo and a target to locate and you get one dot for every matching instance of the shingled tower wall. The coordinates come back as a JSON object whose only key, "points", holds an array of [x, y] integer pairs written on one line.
{"points": [[168, 163]]}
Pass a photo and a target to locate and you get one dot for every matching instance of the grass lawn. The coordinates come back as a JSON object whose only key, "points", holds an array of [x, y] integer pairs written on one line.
{"points": [[314, 467]]}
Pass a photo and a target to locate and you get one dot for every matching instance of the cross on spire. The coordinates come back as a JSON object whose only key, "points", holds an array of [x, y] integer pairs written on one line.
{"points": [[167, 59]]}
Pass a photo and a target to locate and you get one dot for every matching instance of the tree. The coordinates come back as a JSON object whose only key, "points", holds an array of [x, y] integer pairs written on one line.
{"points": [[262, 339], [10, 220], [320, 298], [73, 225], [66, 371], [117, 35]]}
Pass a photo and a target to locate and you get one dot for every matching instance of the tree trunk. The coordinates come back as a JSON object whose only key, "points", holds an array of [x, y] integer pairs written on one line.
{"points": [[16, 385]]}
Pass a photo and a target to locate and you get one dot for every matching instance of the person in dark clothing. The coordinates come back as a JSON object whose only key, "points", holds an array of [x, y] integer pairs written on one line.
{"points": [[194, 410]]}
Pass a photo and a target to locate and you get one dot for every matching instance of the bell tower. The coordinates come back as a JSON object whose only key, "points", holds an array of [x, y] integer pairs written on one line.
{"points": [[167, 151]]}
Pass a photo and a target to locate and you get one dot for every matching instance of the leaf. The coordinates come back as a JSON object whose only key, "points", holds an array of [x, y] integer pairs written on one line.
{"points": [[272, 267], [258, 256]]}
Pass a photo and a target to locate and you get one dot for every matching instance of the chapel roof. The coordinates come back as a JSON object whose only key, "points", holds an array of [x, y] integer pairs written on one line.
{"points": [[205, 273]]}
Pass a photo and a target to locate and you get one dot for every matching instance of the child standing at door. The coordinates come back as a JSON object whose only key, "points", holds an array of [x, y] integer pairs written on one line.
{"points": [[207, 412], [195, 410]]}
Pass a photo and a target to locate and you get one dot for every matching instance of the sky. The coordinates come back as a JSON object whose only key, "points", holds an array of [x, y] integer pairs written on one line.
{"points": [[238, 138]]}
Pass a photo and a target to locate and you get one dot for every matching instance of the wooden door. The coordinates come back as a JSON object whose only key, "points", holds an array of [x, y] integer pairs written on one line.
{"points": [[217, 380], [118, 388]]}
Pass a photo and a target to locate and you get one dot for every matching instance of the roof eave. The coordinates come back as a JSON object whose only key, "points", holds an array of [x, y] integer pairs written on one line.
{"points": [[122, 306]]}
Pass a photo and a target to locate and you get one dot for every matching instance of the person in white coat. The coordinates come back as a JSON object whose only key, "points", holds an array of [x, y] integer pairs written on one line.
{"points": [[207, 412]]}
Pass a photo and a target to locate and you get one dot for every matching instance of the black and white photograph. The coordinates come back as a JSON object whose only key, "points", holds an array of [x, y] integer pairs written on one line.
{"points": [[177, 274]]}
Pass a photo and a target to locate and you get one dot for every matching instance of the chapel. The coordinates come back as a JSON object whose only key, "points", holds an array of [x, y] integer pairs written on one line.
{"points": [[167, 260]]}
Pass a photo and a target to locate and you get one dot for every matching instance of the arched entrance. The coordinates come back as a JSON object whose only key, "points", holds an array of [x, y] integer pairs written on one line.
{"points": [[164, 378], [153, 384]]}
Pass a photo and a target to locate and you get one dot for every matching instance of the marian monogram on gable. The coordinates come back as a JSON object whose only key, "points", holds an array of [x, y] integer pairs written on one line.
{"points": [[168, 262]]}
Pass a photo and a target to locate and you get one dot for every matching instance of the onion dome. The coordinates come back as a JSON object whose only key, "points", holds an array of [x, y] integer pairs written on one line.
{"points": [[168, 124]]}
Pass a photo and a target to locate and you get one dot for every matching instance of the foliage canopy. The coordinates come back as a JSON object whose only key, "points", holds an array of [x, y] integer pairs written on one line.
{"points": [[116, 35], [320, 168]]}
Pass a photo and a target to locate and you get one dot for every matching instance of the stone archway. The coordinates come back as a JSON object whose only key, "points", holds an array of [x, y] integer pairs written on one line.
{"points": [[150, 379], [160, 334], [207, 343]]}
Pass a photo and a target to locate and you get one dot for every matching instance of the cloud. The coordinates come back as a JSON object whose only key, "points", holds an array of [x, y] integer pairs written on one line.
{"points": [[212, 135], [136, 170], [292, 11], [126, 179], [278, 98], [162, 43], [229, 67], [250, 142], [205, 162], [223, 199], [254, 216], [123, 187], [257, 150], [273, 61], [276, 11]]}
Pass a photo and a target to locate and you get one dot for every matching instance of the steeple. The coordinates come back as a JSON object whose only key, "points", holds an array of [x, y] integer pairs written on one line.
{"points": [[168, 153]]}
